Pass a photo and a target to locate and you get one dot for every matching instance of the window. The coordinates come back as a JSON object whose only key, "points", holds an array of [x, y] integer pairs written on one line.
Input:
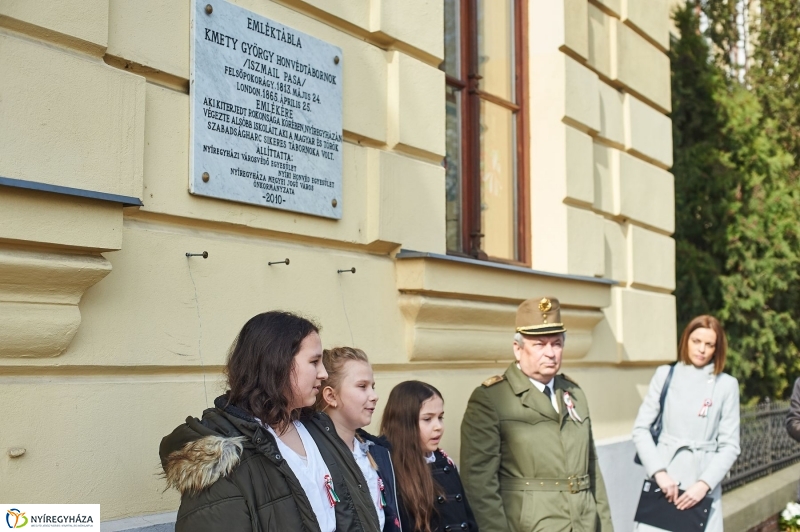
{"points": [[486, 133]]}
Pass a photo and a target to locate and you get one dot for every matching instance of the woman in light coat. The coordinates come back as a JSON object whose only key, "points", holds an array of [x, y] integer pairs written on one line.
{"points": [[699, 441]]}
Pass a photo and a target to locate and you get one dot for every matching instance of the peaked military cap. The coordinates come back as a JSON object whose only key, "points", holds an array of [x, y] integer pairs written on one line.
{"points": [[539, 316]]}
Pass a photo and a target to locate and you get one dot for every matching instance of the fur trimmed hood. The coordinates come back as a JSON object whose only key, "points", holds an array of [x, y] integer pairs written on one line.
{"points": [[228, 467], [202, 451], [200, 463]]}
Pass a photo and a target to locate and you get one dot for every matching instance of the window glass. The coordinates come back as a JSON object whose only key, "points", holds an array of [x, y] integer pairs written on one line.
{"points": [[484, 116], [498, 182], [496, 47], [453, 168], [452, 37]]}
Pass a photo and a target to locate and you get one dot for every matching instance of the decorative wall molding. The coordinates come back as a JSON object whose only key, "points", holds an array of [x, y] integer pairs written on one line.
{"points": [[39, 296], [459, 309], [442, 329]]}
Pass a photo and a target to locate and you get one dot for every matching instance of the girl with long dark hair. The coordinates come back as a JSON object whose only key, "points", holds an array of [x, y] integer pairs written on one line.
{"points": [[261, 460], [431, 496]]}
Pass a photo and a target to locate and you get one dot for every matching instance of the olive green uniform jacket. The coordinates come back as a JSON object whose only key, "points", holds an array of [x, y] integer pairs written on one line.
{"points": [[515, 447]]}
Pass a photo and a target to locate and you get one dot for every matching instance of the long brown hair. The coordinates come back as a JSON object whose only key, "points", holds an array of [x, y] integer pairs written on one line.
{"points": [[720, 349], [260, 365], [400, 425]]}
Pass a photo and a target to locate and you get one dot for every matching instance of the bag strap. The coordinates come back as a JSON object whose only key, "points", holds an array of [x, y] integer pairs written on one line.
{"points": [[658, 421], [663, 398]]}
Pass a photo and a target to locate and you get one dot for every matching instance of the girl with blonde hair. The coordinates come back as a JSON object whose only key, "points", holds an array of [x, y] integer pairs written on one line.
{"points": [[348, 397]]}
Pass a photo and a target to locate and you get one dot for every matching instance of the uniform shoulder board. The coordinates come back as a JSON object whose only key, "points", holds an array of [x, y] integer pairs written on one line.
{"points": [[491, 381], [570, 379]]}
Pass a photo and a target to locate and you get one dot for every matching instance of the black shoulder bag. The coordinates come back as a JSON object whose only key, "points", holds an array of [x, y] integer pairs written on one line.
{"points": [[658, 424]]}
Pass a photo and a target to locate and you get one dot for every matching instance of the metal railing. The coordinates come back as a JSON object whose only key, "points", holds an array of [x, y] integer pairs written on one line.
{"points": [[766, 446]]}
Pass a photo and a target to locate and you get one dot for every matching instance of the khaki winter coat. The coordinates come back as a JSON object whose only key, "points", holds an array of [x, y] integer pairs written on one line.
{"points": [[232, 477], [515, 447]]}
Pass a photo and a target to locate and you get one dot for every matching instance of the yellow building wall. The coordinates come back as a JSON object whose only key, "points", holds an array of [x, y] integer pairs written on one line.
{"points": [[601, 145], [111, 336]]}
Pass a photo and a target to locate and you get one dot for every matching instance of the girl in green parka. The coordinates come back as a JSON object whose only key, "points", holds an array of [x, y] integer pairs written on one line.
{"points": [[261, 460]]}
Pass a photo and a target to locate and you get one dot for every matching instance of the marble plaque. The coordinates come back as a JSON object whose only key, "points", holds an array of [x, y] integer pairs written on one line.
{"points": [[266, 112]]}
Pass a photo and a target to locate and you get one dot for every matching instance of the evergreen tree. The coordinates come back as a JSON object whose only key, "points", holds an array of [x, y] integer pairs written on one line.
{"points": [[760, 283], [775, 73], [737, 205], [704, 183], [762, 38]]}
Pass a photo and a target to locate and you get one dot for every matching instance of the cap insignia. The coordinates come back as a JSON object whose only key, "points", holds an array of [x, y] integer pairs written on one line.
{"points": [[545, 305]]}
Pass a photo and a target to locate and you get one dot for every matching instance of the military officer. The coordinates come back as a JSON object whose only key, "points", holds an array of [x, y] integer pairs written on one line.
{"points": [[528, 459]]}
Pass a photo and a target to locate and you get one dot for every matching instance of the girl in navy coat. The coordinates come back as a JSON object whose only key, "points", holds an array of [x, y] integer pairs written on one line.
{"points": [[348, 397], [430, 495]]}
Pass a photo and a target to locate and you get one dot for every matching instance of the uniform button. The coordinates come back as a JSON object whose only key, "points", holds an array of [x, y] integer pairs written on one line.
{"points": [[258, 440], [277, 457], [459, 497], [463, 526], [328, 429], [440, 499], [446, 469], [447, 528], [359, 485]]}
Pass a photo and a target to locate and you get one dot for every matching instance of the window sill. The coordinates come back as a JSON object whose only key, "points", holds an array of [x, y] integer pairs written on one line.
{"points": [[463, 309], [126, 201], [406, 254]]}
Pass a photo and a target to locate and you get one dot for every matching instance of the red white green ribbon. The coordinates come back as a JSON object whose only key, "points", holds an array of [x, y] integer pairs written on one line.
{"points": [[381, 498], [571, 408], [704, 410], [332, 497], [449, 460]]}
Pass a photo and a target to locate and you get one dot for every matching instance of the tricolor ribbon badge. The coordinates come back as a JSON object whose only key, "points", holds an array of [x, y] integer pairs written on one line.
{"points": [[704, 410], [449, 460], [571, 408], [381, 498], [332, 497]]}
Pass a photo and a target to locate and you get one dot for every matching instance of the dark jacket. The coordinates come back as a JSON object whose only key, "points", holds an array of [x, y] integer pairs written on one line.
{"points": [[379, 449], [451, 510], [793, 417], [232, 477]]}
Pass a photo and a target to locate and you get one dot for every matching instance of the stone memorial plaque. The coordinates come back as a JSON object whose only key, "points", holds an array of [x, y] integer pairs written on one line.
{"points": [[266, 112]]}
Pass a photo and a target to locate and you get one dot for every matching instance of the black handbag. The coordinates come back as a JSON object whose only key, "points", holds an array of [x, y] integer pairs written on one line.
{"points": [[655, 510], [657, 424]]}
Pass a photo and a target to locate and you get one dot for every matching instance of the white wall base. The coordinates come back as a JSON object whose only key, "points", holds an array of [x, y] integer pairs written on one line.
{"points": [[143, 523]]}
